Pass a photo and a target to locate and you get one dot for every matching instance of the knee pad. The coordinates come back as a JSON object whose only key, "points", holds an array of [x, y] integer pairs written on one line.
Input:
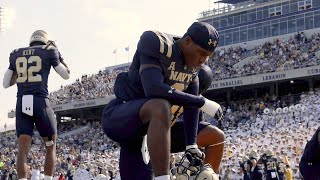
{"points": [[205, 78]]}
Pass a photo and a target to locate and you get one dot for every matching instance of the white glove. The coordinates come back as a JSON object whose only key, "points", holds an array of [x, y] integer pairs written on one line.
{"points": [[213, 109]]}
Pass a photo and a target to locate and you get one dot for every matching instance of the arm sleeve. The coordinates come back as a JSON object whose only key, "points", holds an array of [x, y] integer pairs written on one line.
{"points": [[7, 78], [191, 115], [154, 87], [8, 74], [62, 71]]}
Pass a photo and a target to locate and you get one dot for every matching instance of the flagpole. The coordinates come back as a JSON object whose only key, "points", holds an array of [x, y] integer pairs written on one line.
{"points": [[128, 56], [115, 52], [128, 51], [115, 58]]}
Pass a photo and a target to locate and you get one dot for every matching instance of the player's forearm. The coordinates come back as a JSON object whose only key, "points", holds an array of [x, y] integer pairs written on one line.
{"points": [[154, 87], [68, 70], [191, 115], [62, 71], [190, 121], [62, 59]]}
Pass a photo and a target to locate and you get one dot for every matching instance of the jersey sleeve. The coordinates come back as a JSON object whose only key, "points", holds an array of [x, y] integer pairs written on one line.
{"points": [[12, 66], [149, 44], [54, 56], [154, 87]]}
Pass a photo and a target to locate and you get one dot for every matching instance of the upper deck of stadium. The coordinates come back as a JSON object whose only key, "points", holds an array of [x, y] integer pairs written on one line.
{"points": [[240, 21]]}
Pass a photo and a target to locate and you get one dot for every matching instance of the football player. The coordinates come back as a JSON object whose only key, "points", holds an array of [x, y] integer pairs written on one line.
{"points": [[254, 168], [281, 168], [310, 161], [161, 82], [270, 165], [209, 137], [244, 168], [29, 68]]}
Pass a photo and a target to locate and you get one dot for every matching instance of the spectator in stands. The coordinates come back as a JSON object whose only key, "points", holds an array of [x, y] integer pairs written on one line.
{"points": [[276, 55], [240, 140]]}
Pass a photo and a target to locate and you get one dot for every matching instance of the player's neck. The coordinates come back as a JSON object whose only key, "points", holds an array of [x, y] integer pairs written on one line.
{"points": [[180, 49], [36, 43]]}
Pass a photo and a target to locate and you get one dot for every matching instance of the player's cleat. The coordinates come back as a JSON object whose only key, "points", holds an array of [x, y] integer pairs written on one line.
{"points": [[186, 172]]}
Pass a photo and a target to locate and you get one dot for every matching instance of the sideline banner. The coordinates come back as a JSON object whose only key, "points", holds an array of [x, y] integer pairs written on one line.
{"points": [[267, 77], [81, 104]]}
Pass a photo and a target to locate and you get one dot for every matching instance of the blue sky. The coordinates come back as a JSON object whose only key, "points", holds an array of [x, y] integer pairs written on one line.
{"points": [[87, 32]]}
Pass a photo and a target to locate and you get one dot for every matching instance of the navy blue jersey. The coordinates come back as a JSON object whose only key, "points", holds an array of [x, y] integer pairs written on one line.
{"points": [[161, 46], [244, 167], [32, 65], [257, 174], [164, 53], [281, 169], [312, 149], [270, 166]]}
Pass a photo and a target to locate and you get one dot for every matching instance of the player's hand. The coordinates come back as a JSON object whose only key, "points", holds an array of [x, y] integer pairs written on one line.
{"points": [[219, 114], [195, 156], [213, 109], [51, 42]]}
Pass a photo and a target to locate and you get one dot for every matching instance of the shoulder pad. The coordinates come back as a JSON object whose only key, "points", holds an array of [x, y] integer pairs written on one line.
{"points": [[153, 43], [14, 51]]}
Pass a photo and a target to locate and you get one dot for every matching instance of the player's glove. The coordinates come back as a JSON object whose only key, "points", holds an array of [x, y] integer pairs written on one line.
{"points": [[194, 155], [213, 109], [52, 43]]}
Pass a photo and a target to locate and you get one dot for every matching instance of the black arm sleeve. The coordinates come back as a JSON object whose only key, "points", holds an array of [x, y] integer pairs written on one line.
{"points": [[154, 87], [191, 115]]}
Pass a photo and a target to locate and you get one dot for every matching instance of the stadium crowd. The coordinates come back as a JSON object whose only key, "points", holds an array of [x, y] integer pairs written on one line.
{"points": [[90, 154], [88, 87], [250, 126], [284, 131], [244, 111], [89, 151], [278, 55]]}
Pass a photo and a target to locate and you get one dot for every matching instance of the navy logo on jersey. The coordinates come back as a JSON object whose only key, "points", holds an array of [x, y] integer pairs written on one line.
{"points": [[178, 76]]}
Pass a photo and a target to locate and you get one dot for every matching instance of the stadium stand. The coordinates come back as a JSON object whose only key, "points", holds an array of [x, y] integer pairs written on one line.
{"points": [[298, 52], [252, 129]]}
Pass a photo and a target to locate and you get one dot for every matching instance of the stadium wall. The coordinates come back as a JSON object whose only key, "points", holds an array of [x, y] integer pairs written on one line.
{"points": [[267, 77], [252, 44]]}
